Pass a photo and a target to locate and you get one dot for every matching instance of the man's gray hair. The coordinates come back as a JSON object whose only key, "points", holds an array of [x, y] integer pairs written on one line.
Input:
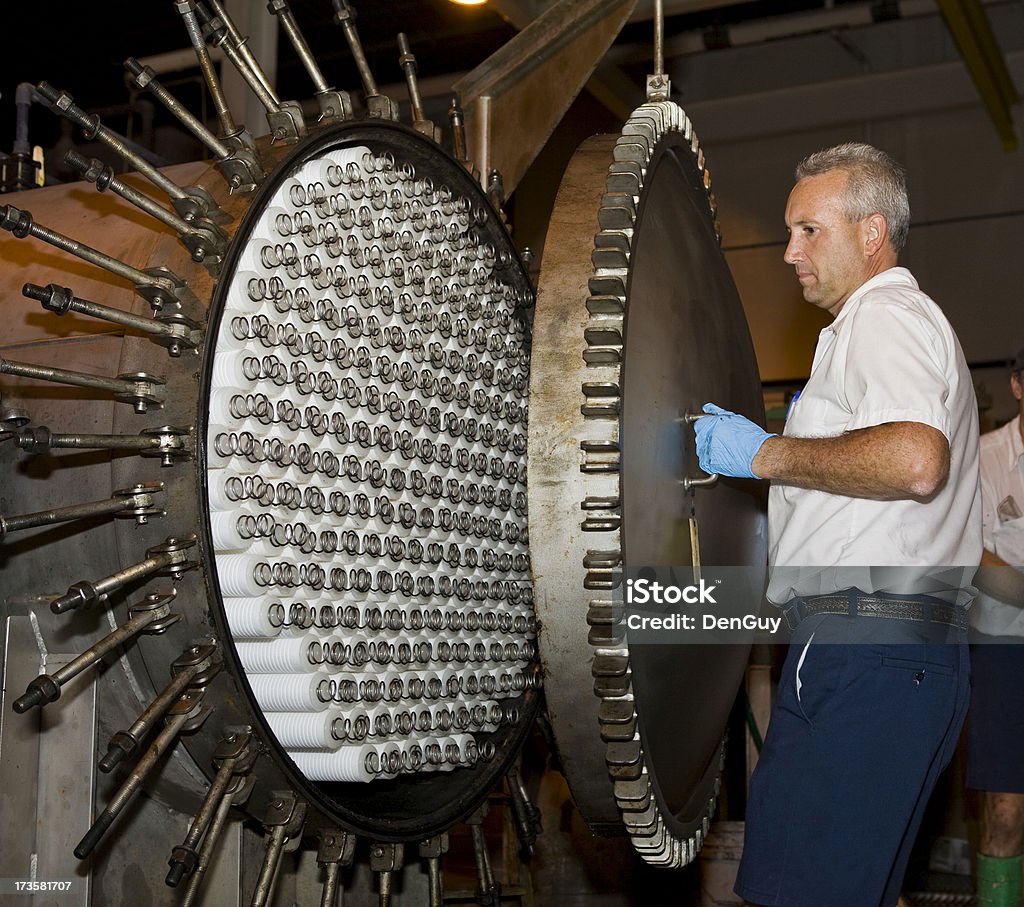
{"points": [[876, 185]]}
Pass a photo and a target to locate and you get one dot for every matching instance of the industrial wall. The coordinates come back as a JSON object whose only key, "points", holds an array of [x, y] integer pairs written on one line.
{"points": [[901, 86]]}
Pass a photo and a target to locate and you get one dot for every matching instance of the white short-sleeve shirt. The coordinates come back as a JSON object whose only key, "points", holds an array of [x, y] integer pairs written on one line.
{"points": [[1002, 522], [889, 356]]}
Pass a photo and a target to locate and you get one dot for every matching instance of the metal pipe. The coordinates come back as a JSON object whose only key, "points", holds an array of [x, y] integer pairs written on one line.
{"points": [[47, 687], [37, 439], [187, 9], [329, 895], [20, 223], [172, 553], [64, 104], [241, 42], [121, 501], [268, 871], [407, 62], [185, 858], [284, 14], [435, 883], [659, 37], [336, 849], [458, 123], [23, 104], [184, 710], [219, 36], [210, 841], [266, 96], [345, 16], [145, 78], [142, 389], [95, 171], [484, 876], [62, 300], [124, 743]]}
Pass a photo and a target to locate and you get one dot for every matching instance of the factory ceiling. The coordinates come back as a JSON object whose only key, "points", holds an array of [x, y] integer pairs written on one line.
{"points": [[50, 39]]}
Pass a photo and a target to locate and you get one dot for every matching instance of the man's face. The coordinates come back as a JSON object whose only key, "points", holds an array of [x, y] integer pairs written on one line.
{"points": [[826, 248]]}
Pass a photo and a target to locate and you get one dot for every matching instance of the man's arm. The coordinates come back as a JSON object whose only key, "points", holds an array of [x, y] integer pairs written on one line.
{"points": [[997, 578], [883, 462]]}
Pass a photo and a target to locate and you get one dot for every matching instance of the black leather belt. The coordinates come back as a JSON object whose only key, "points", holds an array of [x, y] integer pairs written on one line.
{"points": [[921, 609]]}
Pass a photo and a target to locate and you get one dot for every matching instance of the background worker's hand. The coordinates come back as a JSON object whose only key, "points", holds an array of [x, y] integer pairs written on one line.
{"points": [[727, 442]]}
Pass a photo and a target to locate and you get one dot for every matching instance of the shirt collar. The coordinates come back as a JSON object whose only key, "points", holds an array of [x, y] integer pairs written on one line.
{"points": [[890, 277]]}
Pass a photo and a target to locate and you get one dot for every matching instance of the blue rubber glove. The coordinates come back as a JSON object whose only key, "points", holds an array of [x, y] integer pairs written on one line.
{"points": [[727, 443]]}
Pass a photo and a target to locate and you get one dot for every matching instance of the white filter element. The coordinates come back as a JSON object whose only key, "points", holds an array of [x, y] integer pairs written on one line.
{"points": [[388, 679], [236, 575], [373, 678], [390, 755], [481, 639], [302, 730], [437, 715], [345, 764], [240, 300], [373, 712], [446, 676], [227, 341], [423, 644], [495, 673], [228, 370], [248, 618], [289, 692], [428, 678], [217, 488], [351, 723], [220, 407], [275, 656], [323, 396], [224, 530], [425, 743], [217, 464], [466, 744]]}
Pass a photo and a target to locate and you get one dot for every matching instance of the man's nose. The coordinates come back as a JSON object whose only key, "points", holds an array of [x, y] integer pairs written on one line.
{"points": [[793, 252]]}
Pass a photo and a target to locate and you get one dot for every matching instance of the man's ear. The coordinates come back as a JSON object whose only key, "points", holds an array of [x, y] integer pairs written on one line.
{"points": [[1017, 385], [876, 232]]}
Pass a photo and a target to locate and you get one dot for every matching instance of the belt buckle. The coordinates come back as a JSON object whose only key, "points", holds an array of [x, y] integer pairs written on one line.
{"points": [[792, 613]]}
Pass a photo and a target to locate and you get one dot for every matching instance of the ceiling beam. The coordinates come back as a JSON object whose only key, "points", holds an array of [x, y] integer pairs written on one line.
{"points": [[969, 25], [514, 100]]}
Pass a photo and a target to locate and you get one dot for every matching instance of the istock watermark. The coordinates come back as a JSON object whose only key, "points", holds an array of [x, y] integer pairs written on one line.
{"points": [[687, 622], [671, 605], [647, 591], [728, 605]]}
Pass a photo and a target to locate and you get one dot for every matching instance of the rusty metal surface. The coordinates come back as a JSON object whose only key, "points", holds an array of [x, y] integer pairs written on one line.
{"points": [[625, 345], [514, 100], [556, 487]]}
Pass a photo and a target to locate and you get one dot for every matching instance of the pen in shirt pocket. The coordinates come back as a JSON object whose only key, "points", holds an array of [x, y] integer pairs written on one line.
{"points": [[792, 403]]}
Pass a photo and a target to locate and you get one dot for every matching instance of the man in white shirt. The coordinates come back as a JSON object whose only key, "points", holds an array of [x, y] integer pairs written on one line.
{"points": [[995, 721], [874, 528]]}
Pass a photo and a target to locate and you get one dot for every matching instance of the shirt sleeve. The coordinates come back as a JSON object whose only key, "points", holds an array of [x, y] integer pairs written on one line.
{"points": [[988, 511], [995, 486], [897, 367]]}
